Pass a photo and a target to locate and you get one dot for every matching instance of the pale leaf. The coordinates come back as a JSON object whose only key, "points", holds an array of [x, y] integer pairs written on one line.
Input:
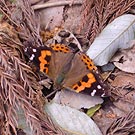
{"points": [[77, 100], [114, 36], [125, 59], [22, 122], [71, 120]]}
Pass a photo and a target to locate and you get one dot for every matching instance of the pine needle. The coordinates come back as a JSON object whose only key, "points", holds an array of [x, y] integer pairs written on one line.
{"points": [[96, 14], [123, 125]]}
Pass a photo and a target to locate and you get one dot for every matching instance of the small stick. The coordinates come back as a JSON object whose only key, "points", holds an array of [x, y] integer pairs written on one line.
{"points": [[58, 3], [51, 93], [3, 12]]}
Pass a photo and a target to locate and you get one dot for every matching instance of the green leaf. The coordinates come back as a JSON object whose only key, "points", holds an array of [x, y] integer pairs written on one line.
{"points": [[92, 110]]}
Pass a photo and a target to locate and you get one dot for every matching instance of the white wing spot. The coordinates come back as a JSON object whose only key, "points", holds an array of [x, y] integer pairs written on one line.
{"points": [[34, 50], [99, 86], [32, 57], [103, 95], [93, 92], [26, 49]]}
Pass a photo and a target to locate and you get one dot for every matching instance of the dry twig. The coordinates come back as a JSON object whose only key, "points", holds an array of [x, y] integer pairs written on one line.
{"points": [[57, 3]]}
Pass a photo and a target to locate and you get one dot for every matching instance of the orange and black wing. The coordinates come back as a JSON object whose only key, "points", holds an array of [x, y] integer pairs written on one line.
{"points": [[83, 77]]}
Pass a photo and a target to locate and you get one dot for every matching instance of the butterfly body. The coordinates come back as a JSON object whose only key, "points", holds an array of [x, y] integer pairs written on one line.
{"points": [[67, 69]]}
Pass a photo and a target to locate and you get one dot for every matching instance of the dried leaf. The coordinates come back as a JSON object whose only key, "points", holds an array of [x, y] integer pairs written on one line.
{"points": [[102, 120], [114, 36], [76, 100], [124, 80], [60, 14], [124, 106], [125, 60], [52, 17]]}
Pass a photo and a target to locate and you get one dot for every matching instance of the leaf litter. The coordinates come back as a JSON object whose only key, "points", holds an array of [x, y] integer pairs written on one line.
{"points": [[125, 59], [76, 100], [111, 118]]}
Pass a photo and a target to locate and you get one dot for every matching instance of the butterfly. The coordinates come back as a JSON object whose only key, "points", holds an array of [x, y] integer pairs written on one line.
{"points": [[69, 69]]}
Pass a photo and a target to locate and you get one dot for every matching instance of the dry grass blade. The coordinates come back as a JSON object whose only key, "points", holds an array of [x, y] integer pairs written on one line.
{"points": [[123, 125], [96, 14]]}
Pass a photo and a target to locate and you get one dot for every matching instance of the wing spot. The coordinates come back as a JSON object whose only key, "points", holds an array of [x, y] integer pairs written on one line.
{"points": [[34, 50], [99, 86], [85, 79], [44, 60], [32, 57], [93, 92], [88, 62], [103, 95], [60, 48], [26, 49], [86, 82]]}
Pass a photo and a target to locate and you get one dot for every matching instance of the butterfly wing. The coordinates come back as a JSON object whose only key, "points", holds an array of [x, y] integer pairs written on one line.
{"points": [[60, 62], [83, 77], [40, 56], [54, 60]]}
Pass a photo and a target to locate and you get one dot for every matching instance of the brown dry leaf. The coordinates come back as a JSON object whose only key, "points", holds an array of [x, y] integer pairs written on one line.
{"points": [[126, 94], [102, 120], [51, 17], [125, 100], [124, 89], [107, 115], [125, 60], [10, 31], [76, 100], [60, 16], [123, 105], [124, 80], [72, 18]]}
